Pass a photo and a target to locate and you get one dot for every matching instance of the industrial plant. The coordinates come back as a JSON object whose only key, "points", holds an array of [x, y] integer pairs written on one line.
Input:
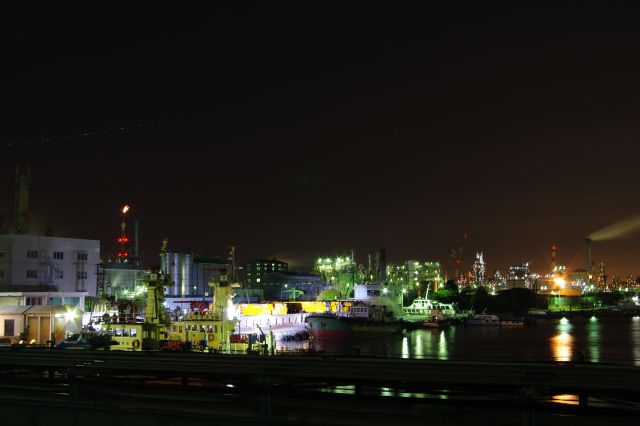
{"points": [[45, 277]]}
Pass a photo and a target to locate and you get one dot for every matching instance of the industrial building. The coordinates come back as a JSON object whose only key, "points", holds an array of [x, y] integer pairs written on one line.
{"points": [[55, 270], [191, 273], [519, 276], [291, 286], [257, 269], [121, 281], [44, 282]]}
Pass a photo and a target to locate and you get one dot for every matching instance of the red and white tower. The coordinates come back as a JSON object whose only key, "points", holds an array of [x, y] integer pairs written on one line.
{"points": [[554, 265], [123, 240]]}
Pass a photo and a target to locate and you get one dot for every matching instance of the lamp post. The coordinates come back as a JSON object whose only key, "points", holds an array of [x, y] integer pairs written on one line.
{"points": [[52, 341]]}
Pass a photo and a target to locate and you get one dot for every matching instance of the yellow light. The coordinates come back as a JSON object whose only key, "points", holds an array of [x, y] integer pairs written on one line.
{"points": [[125, 209], [559, 281]]}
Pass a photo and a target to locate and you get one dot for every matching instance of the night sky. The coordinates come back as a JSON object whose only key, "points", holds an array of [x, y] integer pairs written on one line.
{"points": [[303, 132]]}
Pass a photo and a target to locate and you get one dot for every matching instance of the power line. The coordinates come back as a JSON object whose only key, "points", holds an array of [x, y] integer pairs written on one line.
{"points": [[83, 134]]}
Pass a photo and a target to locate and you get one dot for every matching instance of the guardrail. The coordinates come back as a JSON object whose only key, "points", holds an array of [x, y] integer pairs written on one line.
{"points": [[272, 380]]}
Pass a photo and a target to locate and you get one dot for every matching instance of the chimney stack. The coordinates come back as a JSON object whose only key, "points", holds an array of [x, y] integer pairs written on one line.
{"points": [[382, 266], [589, 261]]}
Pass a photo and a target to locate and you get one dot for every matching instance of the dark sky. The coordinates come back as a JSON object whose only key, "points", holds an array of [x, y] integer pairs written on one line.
{"points": [[305, 132]]}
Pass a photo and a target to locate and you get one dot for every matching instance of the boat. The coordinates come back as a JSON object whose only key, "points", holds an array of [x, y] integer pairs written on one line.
{"points": [[361, 320], [491, 320], [210, 330], [437, 320], [430, 313]]}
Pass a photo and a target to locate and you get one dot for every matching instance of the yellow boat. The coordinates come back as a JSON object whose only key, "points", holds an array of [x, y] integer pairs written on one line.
{"points": [[212, 331]]}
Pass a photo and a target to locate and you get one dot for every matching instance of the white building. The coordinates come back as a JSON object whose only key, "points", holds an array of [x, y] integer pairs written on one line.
{"points": [[39, 270]]}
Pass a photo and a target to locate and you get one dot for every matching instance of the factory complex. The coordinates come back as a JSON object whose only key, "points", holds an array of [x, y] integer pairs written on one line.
{"points": [[50, 285]]}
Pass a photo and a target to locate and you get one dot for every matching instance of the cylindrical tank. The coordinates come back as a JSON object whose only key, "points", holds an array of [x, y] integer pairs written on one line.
{"points": [[166, 267], [187, 263], [175, 274]]}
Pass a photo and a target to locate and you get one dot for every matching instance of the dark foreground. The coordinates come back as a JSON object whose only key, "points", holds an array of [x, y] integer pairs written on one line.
{"points": [[153, 388]]}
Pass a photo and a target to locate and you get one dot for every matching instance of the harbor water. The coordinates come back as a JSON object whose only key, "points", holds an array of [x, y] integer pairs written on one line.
{"points": [[589, 339]]}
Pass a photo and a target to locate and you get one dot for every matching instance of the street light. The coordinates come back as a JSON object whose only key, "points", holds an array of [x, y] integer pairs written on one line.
{"points": [[52, 325]]}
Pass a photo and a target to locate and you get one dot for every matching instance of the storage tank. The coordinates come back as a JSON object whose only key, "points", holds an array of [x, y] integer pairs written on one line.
{"points": [[187, 263], [175, 274], [166, 266]]}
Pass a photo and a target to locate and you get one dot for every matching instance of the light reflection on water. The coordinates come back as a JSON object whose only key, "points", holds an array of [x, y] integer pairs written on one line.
{"points": [[566, 399], [562, 343], [602, 339], [593, 338], [442, 347], [561, 347], [419, 348], [405, 347]]}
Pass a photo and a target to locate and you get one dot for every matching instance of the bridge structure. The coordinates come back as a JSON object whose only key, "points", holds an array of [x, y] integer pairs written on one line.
{"points": [[72, 387]]}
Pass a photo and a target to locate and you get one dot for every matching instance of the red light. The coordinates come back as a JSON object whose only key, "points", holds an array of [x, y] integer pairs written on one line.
{"points": [[554, 247]]}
